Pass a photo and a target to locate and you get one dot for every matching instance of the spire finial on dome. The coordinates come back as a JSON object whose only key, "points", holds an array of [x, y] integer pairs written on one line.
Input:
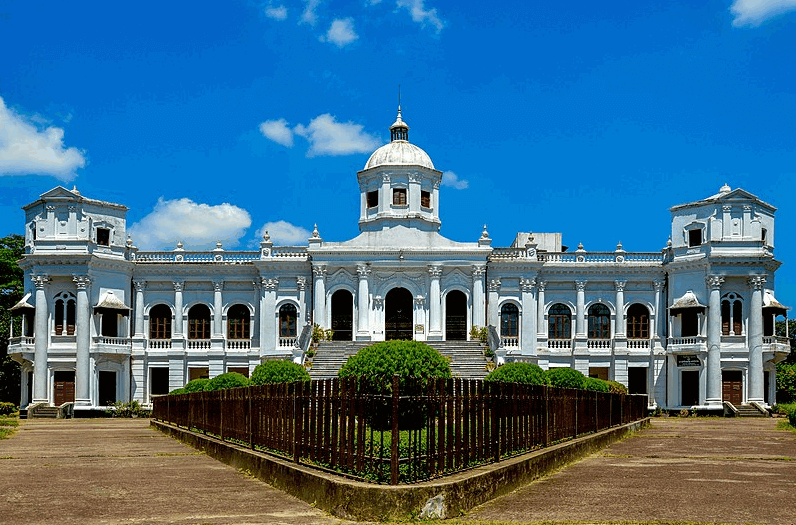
{"points": [[399, 130]]}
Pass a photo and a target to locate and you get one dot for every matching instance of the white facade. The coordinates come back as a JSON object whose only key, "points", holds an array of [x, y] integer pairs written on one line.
{"points": [[691, 325]]}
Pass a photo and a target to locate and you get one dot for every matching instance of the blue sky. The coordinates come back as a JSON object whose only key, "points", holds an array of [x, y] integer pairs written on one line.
{"points": [[210, 121]]}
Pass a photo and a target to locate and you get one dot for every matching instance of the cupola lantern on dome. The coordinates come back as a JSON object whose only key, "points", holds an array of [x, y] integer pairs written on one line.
{"points": [[399, 130]]}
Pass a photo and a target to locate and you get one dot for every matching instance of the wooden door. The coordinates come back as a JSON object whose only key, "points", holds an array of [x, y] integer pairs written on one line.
{"points": [[64, 387], [732, 386]]}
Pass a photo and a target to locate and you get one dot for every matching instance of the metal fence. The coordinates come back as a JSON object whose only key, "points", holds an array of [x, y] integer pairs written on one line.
{"points": [[410, 433]]}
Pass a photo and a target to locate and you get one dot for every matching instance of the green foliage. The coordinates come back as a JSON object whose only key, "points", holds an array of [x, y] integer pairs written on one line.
{"points": [[319, 334], [409, 360], [197, 385], [565, 377], [786, 382], [228, 380], [616, 387], [278, 372], [528, 373], [12, 248], [7, 408], [596, 385], [779, 329], [479, 334], [177, 391], [131, 409], [789, 409]]}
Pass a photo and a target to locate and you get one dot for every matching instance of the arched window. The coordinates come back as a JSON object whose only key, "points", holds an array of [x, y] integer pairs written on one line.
{"points": [[509, 320], [731, 315], [287, 320], [638, 322], [238, 322], [160, 322], [559, 322], [199, 322], [599, 322], [64, 314]]}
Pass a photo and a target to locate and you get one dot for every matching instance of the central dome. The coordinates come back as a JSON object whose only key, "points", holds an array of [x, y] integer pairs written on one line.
{"points": [[399, 152]]}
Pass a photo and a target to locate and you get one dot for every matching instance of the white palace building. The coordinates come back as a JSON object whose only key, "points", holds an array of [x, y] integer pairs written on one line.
{"points": [[691, 325]]}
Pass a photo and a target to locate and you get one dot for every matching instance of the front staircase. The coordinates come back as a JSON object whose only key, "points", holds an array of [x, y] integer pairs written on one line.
{"points": [[748, 411], [467, 357], [43, 412]]}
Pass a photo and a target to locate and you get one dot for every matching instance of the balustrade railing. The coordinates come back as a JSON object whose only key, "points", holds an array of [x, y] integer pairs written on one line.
{"points": [[600, 257], [114, 341], [198, 344], [638, 343], [159, 344], [510, 342], [559, 343], [238, 344], [694, 340], [22, 341], [287, 342], [598, 343], [775, 339]]}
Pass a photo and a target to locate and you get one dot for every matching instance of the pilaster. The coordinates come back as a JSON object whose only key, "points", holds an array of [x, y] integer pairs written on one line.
{"points": [[479, 302], [363, 303], [528, 339], [434, 304]]}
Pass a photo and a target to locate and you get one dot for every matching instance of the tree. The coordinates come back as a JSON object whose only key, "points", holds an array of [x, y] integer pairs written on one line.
{"points": [[11, 289]]}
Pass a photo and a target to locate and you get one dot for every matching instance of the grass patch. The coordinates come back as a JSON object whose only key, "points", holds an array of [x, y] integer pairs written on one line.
{"points": [[784, 425], [8, 425], [590, 522]]}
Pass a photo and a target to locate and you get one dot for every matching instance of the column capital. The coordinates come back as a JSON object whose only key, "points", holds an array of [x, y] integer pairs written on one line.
{"points": [[139, 285], [658, 285], [756, 282], [269, 284], [541, 284], [40, 280], [420, 300], [714, 281], [527, 285], [620, 285], [435, 272], [178, 285], [218, 286], [478, 271], [81, 281], [580, 285], [378, 301], [494, 285], [363, 270], [319, 270], [301, 282]]}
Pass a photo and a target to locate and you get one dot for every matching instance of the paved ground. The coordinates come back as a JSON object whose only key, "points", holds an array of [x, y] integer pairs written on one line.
{"points": [[121, 472], [702, 470]]}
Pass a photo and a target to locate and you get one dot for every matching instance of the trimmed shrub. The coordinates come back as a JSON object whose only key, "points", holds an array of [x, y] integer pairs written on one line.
{"points": [[527, 373], [228, 380], [596, 385], [197, 385], [616, 387], [278, 372], [565, 377], [7, 408], [786, 382], [178, 391], [413, 362]]}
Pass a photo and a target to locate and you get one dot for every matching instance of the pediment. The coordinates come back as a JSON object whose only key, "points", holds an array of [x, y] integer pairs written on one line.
{"points": [[59, 192]]}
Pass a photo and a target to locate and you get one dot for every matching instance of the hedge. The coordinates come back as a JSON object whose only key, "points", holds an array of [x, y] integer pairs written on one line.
{"points": [[565, 377], [274, 371], [224, 381], [527, 373]]}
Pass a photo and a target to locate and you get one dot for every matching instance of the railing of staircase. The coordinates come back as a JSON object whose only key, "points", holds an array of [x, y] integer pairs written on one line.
{"points": [[494, 339], [304, 340]]}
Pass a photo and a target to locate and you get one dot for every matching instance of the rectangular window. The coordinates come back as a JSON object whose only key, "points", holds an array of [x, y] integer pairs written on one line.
{"points": [[198, 373], [373, 199], [399, 197], [694, 238], [425, 199], [103, 236]]}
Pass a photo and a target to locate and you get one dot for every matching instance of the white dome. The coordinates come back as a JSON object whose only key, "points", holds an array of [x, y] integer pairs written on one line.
{"points": [[400, 153]]}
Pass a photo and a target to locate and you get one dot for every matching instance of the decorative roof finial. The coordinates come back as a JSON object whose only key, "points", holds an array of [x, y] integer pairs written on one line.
{"points": [[315, 234], [725, 189], [399, 129], [266, 237], [580, 247]]}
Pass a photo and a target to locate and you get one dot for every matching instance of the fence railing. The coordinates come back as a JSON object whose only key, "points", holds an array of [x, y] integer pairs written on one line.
{"points": [[410, 434]]}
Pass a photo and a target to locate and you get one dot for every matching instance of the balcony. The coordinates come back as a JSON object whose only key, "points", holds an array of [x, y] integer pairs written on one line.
{"points": [[238, 344], [638, 344], [559, 344], [602, 344], [21, 345], [696, 343], [112, 345], [510, 342], [776, 344], [287, 342]]}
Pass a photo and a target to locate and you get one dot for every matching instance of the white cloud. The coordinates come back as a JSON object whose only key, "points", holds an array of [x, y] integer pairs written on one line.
{"points": [[276, 12], [341, 33], [422, 15], [309, 16], [329, 137], [26, 150], [755, 12], [451, 179], [197, 225], [277, 131], [283, 233]]}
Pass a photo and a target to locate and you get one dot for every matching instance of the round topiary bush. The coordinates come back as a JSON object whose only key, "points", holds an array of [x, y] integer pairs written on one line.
{"points": [[596, 385], [527, 373], [177, 391], [413, 362], [274, 371], [565, 377], [197, 385], [228, 380], [616, 387]]}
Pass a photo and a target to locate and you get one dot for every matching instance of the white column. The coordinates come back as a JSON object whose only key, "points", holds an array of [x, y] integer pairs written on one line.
{"points": [[139, 308], [83, 333], [713, 380], [269, 332], [41, 333], [580, 314], [257, 322], [528, 327], [434, 304], [659, 313], [176, 330], [385, 199], [755, 392], [319, 293], [492, 303], [218, 307], [363, 303], [619, 332], [479, 303], [420, 316], [301, 282], [541, 326]]}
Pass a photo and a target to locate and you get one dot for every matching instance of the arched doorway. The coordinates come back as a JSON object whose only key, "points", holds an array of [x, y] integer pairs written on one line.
{"points": [[398, 314], [455, 316], [342, 315]]}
